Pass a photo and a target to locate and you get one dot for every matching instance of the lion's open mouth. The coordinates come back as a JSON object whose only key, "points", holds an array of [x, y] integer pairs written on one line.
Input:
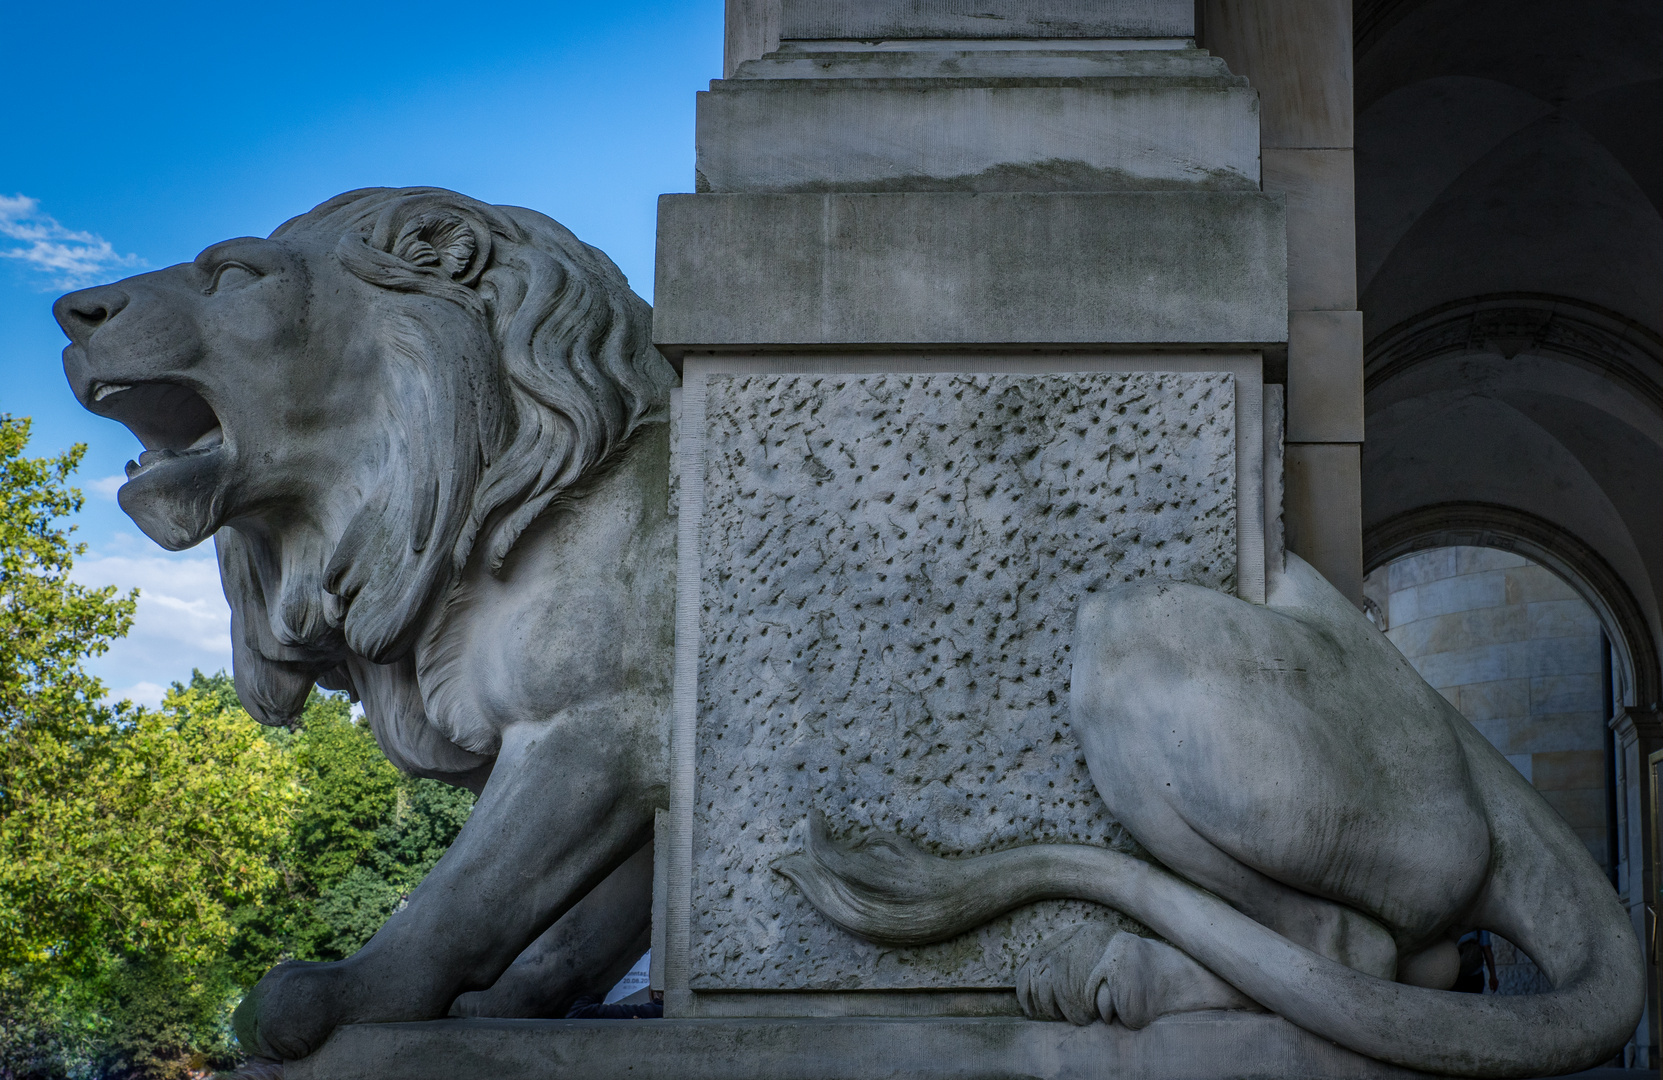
{"points": [[170, 419]]}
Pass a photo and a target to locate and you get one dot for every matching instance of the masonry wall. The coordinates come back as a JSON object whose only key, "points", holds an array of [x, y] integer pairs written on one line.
{"points": [[1518, 652]]}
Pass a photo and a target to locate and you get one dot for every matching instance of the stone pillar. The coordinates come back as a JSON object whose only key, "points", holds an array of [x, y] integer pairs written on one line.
{"points": [[1639, 735], [1298, 56], [926, 233]]}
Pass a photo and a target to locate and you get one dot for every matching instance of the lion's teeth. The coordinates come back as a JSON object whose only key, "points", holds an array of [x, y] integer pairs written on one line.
{"points": [[133, 468], [110, 388], [150, 457], [212, 437]]}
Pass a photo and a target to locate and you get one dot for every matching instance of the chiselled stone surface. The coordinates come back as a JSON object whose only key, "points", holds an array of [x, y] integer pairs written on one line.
{"points": [[891, 569]]}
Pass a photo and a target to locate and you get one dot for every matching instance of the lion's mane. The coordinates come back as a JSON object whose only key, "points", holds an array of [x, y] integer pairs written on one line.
{"points": [[554, 373]]}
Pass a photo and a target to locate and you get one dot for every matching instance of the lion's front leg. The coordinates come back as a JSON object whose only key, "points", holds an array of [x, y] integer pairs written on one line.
{"points": [[587, 951], [566, 804]]}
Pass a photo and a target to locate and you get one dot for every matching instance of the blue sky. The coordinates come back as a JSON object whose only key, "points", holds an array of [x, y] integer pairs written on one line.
{"points": [[134, 135]]}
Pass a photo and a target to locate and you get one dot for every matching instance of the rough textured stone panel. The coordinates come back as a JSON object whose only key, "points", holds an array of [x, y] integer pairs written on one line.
{"points": [[891, 565]]}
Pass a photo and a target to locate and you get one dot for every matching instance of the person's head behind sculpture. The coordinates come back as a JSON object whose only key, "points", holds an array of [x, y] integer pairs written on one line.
{"points": [[393, 384]]}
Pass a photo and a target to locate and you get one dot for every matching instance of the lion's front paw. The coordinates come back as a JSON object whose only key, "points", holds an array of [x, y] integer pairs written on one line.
{"points": [[291, 1011], [1139, 980]]}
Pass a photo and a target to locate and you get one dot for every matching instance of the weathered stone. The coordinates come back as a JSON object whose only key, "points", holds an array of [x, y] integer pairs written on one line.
{"points": [[979, 120], [872, 19], [392, 382], [1200, 1047], [891, 566], [1325, 377], [988, 269]]}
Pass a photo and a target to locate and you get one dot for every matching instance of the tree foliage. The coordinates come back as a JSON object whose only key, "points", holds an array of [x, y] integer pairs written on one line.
{"points": [[155, 862]]}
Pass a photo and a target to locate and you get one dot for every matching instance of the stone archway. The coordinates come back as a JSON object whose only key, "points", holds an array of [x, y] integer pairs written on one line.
{"points": [[1534, 423], [1639, 675]]}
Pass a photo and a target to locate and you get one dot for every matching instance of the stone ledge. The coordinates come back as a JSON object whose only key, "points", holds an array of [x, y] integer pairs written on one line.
{"points": [[986, 19], [943, 268], [1199, 1046], [914, 134]]}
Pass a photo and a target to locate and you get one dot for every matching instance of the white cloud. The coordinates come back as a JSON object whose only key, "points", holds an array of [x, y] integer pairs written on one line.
{"points": [[105, 487], [145, 693], [182, 621], [72, 258]]}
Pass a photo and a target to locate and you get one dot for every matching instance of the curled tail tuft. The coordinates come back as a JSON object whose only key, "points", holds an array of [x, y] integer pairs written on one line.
{"points": [[890, 892]]}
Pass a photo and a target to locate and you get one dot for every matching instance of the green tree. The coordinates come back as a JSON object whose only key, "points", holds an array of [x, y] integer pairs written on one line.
{"points": [[155, 862], [365, 836], [127, 836], [53, 723]]}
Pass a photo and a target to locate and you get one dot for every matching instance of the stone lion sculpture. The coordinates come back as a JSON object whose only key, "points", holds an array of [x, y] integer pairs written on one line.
{"points": [[1326, 826], [429, 438]]}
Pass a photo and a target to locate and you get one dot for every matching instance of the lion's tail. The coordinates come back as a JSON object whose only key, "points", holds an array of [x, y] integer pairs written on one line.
{"points": [[892, 893]]}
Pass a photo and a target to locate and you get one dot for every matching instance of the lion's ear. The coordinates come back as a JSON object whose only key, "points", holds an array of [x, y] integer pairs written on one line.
{"points": [[422, 243], [443, 241]]}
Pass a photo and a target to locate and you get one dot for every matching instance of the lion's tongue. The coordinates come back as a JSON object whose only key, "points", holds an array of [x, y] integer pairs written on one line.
{"points": [[210, 438]]}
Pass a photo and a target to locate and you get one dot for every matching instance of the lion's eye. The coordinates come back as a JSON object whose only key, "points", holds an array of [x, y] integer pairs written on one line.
{"points": [[231, 275]]}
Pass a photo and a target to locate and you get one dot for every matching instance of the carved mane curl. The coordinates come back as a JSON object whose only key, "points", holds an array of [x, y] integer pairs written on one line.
{"points": [[555, 373]]}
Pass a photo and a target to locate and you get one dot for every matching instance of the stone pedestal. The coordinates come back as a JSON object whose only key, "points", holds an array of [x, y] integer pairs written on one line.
{"points": [[970, 305], [1204, 1046]]}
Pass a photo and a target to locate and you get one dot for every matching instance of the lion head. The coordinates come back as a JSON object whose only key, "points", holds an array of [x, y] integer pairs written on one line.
{"points": [[387, 387]]}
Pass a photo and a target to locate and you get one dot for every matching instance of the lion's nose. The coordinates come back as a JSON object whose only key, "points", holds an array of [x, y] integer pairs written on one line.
{"points": [[80, 313]]}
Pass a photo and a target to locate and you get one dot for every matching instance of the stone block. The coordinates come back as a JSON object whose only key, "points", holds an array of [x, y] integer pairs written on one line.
{"points": [[1404, 610], [1276, 411], [1476, 664], [1563, 618], [1546, 733], [1325, 375], [1324, 512], [1532, 584], [1476, 560], [938, 268], [1582, 808], [890, 567], [1322, 240], [997, 134], [1565, 769], [865, 20], [1446, 633], [1464, 593], [1422, 567], [751, 29], [1565, 693], [1192, 1046], [1503, 698], [1298, 55], [1579, 655]]}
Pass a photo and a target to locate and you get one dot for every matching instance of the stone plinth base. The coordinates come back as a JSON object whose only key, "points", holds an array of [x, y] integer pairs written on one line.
{"points": [[1201, 1046]]}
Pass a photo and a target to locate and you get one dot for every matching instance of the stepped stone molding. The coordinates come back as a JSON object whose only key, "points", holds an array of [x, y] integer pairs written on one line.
{"points": [[1016, 19]]}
